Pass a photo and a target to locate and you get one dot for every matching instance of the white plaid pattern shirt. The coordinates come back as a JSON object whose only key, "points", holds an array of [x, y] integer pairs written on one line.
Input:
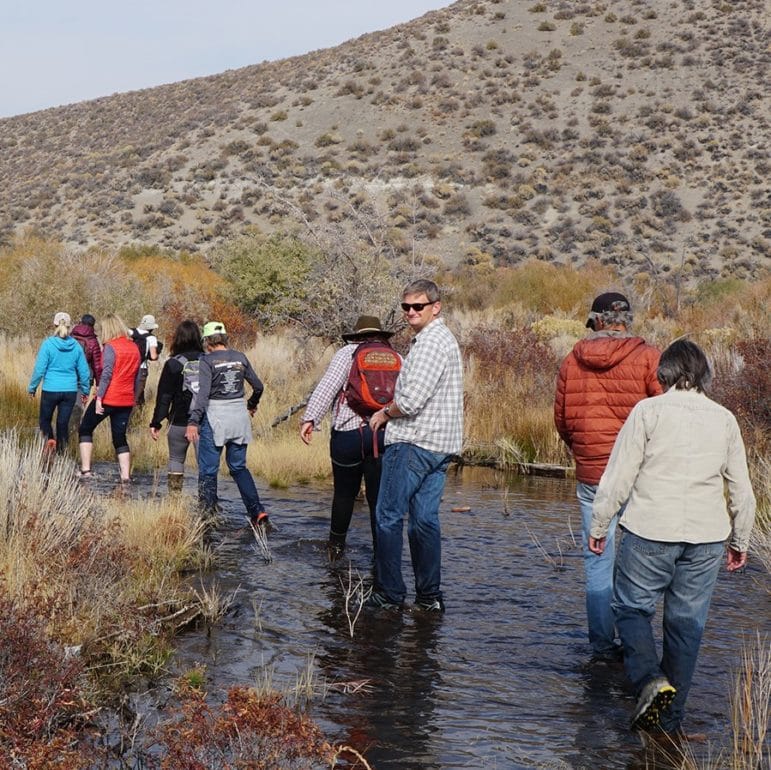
{"points": [[327, 393], [429, 393]]}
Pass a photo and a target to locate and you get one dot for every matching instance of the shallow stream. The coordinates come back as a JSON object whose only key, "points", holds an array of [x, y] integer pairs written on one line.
{"points": [[504, 679]]}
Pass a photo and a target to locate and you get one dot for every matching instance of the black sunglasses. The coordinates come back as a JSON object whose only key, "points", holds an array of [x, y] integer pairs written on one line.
{"points": [[416, 306]]}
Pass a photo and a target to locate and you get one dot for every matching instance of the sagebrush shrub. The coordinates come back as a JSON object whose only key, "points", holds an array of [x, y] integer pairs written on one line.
{"points": [[742, 383]]}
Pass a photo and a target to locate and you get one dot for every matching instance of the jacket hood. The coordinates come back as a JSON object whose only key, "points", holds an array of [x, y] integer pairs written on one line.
{"points": [[604, 351], [63, 343], [83, 330]]}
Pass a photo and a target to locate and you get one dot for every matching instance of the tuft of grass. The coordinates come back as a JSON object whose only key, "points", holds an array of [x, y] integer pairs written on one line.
{"points": [[751, 706], [283, 460]]}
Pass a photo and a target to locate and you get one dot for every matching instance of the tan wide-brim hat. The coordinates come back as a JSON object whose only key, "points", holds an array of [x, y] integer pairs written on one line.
{"points": [[366, 325]]}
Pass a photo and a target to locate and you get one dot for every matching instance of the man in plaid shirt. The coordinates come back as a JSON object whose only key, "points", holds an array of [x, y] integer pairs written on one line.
{"points": [[424, 428]]}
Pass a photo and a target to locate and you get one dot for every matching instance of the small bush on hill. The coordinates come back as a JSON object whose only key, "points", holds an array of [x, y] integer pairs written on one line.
{"points": [[267, 274]]}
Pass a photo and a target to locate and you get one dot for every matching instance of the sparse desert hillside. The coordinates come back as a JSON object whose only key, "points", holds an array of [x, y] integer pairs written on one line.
{"points": [[633, 131]]}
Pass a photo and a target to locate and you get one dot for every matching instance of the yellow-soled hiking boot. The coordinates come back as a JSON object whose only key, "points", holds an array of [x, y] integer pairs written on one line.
{"points": [[654, 698]]}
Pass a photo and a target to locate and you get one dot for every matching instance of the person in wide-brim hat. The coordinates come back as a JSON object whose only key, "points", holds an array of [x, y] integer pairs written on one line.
{"points": [[367, 326], [352, 444]]}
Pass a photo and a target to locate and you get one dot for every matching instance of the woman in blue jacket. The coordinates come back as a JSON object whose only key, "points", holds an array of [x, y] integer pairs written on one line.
{"points": [[61, 365]]}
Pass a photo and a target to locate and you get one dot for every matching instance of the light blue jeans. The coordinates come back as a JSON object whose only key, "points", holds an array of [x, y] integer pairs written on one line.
{"points": [[208, 468], [599, 576], [684, 574], [411, 482]]}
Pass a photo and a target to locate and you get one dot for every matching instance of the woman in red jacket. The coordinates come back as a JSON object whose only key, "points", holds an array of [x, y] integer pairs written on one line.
{"points": [[114, 396]]}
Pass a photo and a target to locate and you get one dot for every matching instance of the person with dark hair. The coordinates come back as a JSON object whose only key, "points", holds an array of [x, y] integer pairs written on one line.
{"points": [[114, 397], [424, 429], [672, 462], [176, 386], [84, 333], [352, 443], [599, 382], [219, 419], [61, 367]]}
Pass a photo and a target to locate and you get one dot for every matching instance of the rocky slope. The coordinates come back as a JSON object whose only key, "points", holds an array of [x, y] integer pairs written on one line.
{"points": [[631, 131]]}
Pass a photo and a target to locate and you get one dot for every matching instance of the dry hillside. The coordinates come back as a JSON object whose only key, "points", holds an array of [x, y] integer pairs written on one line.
{"points": [[629, 130]]}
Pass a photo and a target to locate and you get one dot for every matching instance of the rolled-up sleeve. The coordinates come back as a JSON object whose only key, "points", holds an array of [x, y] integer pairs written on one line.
{"points": [[329, 386]]}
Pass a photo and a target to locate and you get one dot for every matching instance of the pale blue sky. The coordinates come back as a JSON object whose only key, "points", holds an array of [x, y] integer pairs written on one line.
{"points": [[55, 52]]}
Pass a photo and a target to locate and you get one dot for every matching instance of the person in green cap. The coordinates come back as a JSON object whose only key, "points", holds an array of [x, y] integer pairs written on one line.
{"points": [[220, 418]]}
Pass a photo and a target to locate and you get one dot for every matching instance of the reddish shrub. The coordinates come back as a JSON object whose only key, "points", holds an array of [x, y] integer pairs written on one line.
{"points": [[746, 390], [44, 714], [515, 353], [249, 730]]}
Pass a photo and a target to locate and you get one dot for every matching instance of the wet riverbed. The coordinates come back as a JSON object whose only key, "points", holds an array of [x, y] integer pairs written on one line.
{"points": [[503, 680]]}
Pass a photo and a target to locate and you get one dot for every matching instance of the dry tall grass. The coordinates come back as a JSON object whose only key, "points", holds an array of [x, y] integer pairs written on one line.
{"points": [[748, 747], [104, 572], [514, 324]]}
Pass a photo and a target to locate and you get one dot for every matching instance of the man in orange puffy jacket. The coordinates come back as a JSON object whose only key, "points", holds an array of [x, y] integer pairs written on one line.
{"points": [[599, 382]]}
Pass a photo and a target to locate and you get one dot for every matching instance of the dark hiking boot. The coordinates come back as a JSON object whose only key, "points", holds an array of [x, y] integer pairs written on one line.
{"points": [[654, 698], [175, 481], [335, 550], [378, 601]]}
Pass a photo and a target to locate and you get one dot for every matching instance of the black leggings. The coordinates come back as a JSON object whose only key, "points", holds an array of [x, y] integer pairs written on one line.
{"points": [[119, 417], [62, 403], [353, 460]]}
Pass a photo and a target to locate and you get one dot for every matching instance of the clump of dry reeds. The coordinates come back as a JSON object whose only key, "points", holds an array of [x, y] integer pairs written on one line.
{"points": [[751, 706], [509, 385]]}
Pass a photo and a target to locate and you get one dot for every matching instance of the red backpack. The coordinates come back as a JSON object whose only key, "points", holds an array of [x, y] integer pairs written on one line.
{"points": [[372, 379]]}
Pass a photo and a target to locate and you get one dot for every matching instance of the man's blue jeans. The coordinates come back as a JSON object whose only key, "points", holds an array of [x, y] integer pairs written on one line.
{"points": [[208, 468], [684, 574], [599, 576], [412, 481]]}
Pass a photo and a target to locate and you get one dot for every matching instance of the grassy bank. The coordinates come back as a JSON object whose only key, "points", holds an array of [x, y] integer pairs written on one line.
{"points": [[92, 593]]}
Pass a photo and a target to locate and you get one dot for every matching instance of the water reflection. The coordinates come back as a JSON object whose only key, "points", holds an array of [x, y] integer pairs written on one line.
{"points": [[503, 680], [396, 654]]}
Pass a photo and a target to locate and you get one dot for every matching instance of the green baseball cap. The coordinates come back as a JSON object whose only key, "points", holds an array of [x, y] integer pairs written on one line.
{"points": [[213, 327]]}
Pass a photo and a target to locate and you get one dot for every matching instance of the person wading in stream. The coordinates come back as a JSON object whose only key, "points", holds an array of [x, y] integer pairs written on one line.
{"points": [[673, 463], [352, 443], [179, 379], [424, 429], [599, 383], [220, 418], [114, 397]]}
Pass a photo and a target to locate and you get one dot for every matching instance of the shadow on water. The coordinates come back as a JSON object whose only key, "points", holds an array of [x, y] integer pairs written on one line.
{"points": [[503, 680]]}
